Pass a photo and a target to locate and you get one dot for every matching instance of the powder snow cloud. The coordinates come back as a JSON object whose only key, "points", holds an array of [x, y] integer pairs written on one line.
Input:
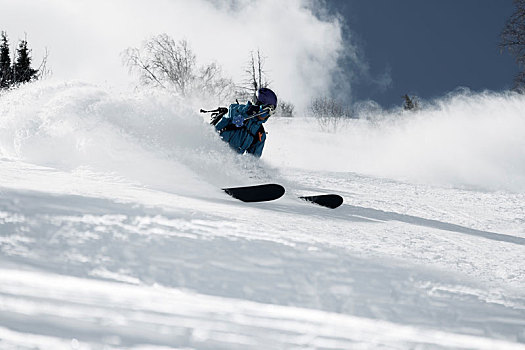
{"points": [[302, 43]]}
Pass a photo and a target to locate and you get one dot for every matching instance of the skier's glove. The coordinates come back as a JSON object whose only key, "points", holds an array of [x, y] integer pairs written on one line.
{"points": [[238, 120]]}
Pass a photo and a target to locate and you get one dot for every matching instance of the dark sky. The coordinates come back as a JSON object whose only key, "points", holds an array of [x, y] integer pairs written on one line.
{"points": [[429, 47]]}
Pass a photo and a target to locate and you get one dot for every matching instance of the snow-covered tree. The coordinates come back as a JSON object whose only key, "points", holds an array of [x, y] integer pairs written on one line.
{"points": [[165, 63], [329, 112], [285, 109]]}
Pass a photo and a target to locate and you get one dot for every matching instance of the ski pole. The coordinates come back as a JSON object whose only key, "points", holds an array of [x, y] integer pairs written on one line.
{"points": [[218, 110], [258, 114]]}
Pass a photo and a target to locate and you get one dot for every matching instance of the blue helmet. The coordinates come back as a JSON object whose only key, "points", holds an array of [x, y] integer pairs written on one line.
{"points": [[266, 96]]}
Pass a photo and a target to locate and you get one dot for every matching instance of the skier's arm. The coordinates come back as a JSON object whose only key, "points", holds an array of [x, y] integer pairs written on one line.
{"points": [[225, 120]]}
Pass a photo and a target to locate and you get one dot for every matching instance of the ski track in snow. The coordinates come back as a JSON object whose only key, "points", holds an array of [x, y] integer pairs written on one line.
{"points": [[361, 271], [96, 254]]}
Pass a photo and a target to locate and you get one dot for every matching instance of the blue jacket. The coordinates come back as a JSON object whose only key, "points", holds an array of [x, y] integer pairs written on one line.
{"points": [[249, 136]]}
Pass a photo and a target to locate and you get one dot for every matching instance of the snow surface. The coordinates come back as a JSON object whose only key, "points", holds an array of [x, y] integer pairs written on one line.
{"points": [[114, 233]]}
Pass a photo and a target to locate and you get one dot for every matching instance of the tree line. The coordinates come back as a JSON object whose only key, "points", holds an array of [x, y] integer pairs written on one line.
{"points": [[163, 62], [166, 63], [19, 69]]}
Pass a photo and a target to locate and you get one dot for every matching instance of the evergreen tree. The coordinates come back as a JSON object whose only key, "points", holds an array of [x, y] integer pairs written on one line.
{"points": [[411, 103], [22, 70], [5, 63]]}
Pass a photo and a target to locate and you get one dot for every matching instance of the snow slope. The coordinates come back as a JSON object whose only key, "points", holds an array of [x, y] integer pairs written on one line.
{"points": [[114, 233]]}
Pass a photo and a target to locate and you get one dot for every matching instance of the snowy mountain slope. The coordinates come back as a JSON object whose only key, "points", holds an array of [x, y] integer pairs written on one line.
{"points": [[160, 316], [114, 233]]}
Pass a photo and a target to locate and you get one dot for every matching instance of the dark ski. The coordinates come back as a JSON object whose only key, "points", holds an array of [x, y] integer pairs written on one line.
{"points": [[257, 193], [331, 201]]}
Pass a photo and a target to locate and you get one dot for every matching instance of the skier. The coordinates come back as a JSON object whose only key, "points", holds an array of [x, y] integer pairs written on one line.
{"points": [[242, 126]]}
